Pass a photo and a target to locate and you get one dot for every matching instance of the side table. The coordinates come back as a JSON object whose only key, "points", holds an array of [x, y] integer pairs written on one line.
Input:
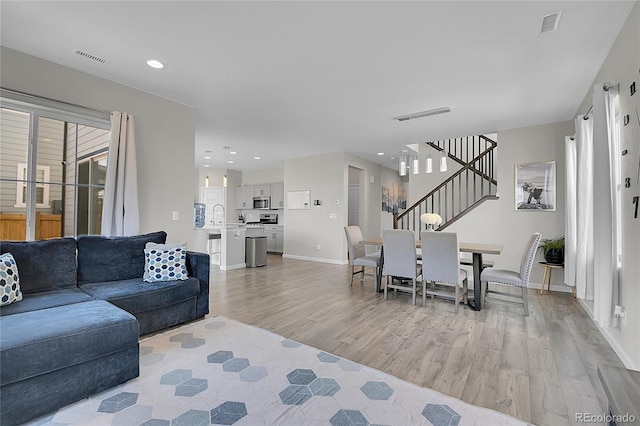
{"points": [[546, 277]]}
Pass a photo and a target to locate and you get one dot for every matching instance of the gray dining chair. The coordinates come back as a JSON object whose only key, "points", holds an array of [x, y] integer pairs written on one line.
{"points": [[358, 255], [441, 266], [401, 263], [513, 278]]}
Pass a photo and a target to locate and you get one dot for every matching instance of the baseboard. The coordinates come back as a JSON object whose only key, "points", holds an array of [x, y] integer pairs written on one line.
{"points": [[316, 259], [560, 288], [229, 267], [626, 359]]}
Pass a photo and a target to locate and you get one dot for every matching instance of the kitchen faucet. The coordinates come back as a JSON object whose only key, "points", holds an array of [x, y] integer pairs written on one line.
{"points": [[214, 214]]}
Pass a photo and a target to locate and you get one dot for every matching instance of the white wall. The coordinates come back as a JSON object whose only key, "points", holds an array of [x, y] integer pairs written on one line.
{"points": [[326, 177], [165, 135], [258, 177], [622, 66]]}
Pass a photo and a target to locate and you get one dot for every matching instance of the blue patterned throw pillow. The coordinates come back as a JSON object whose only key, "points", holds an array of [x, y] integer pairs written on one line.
{"points": [[165, 265], [9, 280]]}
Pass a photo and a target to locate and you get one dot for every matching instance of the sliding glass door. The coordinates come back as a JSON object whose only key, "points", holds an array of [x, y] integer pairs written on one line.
{"points": [[51, 173]]}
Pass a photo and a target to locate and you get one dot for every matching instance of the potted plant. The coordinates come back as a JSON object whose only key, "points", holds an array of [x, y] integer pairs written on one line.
{"points": [[553, 250]]}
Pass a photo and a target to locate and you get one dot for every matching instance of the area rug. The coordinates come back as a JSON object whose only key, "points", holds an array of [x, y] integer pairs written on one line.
{"points": [[220, 371]]}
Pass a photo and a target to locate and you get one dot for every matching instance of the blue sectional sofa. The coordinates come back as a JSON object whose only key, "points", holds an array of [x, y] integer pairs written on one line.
{"points": [[75, 332]]}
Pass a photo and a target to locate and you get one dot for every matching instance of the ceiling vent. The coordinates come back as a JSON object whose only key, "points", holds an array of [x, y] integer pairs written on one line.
{"points": [[423, 114], [90, 56], [550, 22]]}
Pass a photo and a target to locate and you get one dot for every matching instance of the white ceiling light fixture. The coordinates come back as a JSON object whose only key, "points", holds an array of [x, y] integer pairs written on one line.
{"points": [[422, 114], [153, 63], [256, 158], [415, 165], [402, 167], [550, 22], [443, 161]]}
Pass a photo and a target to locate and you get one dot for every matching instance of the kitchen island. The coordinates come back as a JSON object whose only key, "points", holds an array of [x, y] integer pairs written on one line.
{"points": [[225, 245]]}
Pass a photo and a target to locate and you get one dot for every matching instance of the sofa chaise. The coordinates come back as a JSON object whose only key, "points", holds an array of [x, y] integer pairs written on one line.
{"points": [[84, 304]]}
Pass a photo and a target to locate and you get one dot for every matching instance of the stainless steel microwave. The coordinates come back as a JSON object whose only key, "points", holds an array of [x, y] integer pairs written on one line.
{"points": [[261, 202]]}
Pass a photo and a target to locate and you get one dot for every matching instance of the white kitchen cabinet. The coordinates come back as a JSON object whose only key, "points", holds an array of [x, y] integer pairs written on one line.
{"points": [[277, 195], [262, 190], [244, 197], [275, 238]]}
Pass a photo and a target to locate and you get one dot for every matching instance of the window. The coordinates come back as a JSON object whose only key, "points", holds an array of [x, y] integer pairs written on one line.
{"points": [[52, 170], [42, 190]]}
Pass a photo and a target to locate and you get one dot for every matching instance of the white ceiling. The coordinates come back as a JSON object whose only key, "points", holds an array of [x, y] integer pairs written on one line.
{"points": [[288, 79]]}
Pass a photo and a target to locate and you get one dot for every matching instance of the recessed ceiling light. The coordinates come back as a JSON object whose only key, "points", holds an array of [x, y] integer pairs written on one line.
{"points": [[207, 158], [232, 152], [381, 153], [230, 161], [206, 165], [256, 158], [155, 64]]}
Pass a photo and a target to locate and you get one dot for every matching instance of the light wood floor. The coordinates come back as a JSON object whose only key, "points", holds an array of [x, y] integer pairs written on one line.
{"points": [[541, 369]]}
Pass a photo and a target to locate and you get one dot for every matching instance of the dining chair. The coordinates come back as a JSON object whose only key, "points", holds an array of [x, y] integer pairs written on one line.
{"points": [[358, 255], [401, 262], [441, 266], [514, 278]]}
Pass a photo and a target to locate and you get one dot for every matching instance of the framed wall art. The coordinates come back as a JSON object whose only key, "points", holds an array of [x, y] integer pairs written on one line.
{"points": [[535, 186]]}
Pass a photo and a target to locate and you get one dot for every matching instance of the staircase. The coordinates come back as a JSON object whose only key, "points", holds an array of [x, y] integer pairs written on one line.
{"points": [[466, 189]]}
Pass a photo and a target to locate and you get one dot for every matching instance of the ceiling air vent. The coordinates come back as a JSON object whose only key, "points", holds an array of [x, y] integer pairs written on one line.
{"points": [[423, 114], [90, 56], [550, 22]]}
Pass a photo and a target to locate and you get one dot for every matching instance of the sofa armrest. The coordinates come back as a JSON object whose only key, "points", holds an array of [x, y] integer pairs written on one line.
{"points": [[198, 266]]}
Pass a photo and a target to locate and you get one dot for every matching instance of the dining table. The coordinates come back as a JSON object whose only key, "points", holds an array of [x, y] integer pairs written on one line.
{"points": [[477, 250]]}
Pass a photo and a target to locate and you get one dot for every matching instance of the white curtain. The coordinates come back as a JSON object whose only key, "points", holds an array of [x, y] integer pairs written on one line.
{"points": [[579, 209], [570, 218], [120, 214], [606, 202]]}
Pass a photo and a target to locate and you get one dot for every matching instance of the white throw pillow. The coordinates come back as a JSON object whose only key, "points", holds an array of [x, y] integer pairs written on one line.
{"points": [[151, 245], [165, 265], [9, 280]]}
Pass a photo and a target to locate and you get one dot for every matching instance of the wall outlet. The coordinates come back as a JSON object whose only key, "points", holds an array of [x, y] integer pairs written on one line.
{"points": [[175, 215]]}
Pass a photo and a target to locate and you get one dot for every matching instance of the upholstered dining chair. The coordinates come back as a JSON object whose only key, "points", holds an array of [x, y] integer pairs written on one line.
{"points": [[514, 278], [441, 266], [401, 262], [358, 255]]}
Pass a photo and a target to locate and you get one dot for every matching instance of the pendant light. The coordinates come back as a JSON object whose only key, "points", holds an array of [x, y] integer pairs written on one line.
{"points": [[403, 164], [415, 165], [428, 164], [443, 161]]}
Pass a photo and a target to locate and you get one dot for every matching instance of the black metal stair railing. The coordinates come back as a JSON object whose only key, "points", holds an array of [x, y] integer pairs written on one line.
{"points": [[463, 191]]}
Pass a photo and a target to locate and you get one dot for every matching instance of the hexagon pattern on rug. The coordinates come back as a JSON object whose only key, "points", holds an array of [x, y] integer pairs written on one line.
{"points": [[348, 418], [187, 340], [219, 357], [192, 418], [181, 385], [118, 402], [191, 387], [440, 414], [377, 390], [228, 413]]}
